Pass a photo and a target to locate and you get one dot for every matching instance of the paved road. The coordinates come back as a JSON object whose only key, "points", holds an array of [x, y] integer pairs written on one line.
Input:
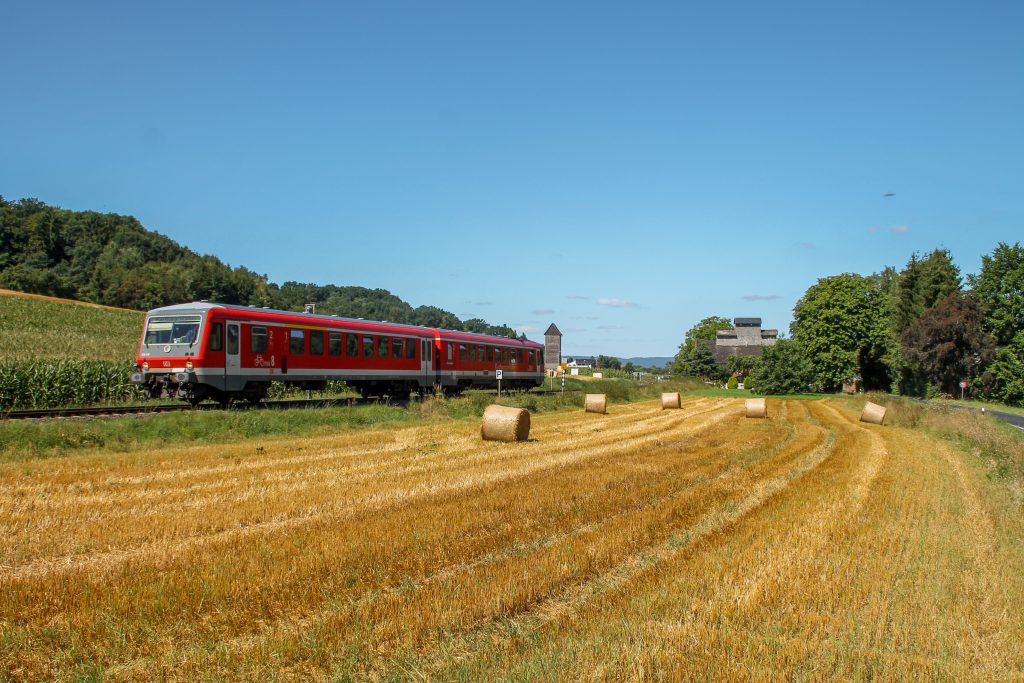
{"points": [[1010, 418], [1014, 419]]}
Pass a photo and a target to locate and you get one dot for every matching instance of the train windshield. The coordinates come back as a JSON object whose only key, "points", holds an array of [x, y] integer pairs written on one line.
{"points": [[180, 329]]}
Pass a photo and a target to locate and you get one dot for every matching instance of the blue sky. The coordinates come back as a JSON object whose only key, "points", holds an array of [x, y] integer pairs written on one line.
{"points": [[620, 169]]}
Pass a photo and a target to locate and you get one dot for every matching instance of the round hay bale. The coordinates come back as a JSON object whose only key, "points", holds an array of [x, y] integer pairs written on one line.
{"points": [[756, 407], [501, 423], [596, 403], [873, 413], [671, 400]]}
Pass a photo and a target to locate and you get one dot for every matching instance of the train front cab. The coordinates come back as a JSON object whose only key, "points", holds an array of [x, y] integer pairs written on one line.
{"points": [[171, 352]]}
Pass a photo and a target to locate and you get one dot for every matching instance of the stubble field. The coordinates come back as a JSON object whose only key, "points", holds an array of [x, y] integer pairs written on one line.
{"points": [[643, 544]]}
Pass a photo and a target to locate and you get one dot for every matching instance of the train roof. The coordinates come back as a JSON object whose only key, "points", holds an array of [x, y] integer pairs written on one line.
{"points": [[454, 334]]}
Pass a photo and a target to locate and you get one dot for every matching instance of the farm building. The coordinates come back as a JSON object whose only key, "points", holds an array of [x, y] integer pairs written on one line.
{"points": [[747, 338]]}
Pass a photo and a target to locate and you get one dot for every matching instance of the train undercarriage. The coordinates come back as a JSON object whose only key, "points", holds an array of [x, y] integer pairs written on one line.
{"points": [[184, 386]]}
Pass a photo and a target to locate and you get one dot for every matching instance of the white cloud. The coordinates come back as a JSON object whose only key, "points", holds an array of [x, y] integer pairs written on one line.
{"points": [[760, 297], [542, 311], [610, 327], [901, 229], [579, 297], [483, 303], [618, 303]]}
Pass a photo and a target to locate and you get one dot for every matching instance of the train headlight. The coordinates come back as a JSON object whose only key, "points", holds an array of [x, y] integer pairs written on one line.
{"points": [[188, 365], [145, 365]]}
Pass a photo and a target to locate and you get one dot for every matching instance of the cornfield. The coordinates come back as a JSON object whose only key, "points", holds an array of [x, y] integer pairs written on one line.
{"points": [[49, 383], [40, 327]]}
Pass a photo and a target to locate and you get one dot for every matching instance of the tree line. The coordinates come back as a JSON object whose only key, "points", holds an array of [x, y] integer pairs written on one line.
{"points": [[113, 260], [918, 331]]}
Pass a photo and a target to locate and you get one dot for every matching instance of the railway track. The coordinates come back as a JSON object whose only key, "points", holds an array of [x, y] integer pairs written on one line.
{"points": [[115, 411]]}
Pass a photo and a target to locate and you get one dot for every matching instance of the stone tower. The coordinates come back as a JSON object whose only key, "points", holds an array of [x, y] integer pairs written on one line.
{"points": [[552, 347]]}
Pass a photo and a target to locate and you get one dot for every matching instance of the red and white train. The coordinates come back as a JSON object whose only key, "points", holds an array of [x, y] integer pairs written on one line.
{"points": [[206, 350]]}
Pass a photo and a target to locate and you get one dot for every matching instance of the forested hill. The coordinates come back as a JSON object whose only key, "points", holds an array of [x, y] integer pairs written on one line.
{"points": [[113, 260]]}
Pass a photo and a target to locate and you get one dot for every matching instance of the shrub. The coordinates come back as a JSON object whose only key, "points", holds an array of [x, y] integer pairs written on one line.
{"points": [[733, 382]]}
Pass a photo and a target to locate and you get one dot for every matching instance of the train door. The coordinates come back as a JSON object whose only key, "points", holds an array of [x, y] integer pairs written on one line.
{"points": [[232, 357], [426, 355]]}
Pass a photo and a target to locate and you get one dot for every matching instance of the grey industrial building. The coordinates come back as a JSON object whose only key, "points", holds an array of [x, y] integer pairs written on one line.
{"points": [[745, 339]]}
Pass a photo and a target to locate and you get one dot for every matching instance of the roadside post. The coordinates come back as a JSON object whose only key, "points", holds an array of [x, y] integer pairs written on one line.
{"points": [[497, 373], [963, 386], [563, 380]]}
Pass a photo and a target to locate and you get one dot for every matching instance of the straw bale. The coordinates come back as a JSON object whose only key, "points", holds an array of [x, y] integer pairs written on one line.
{"points": [[873, 413], [756, 407], [671, 400], [501, 423], [597, 403]]}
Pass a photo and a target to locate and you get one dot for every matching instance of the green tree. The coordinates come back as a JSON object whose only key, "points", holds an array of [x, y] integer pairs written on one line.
{"points": [[609, 362], [705, 330], [701, 363], [741, 365], [921, 285], [840, 324], [948, 342], [432, 316], [999, 288], [782, 369], [1005, 375]]}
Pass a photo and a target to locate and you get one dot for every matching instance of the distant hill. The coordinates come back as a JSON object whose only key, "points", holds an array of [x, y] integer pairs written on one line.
{"points": [[648, 361], [113, 260]]}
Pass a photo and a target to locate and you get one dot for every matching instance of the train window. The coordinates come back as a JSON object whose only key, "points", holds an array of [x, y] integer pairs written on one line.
{"points": [[258, 340], [334, 343], [462, 352], [490, 354], [449, 352], [504, 356], [472, 353], [216, 337], [384, 347], [179, 329], [233, 340], [396, 347], [316, 342], [352, 345], [531, 357], [480, 353], [410, 348], [367, 346], [297, 345]]}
